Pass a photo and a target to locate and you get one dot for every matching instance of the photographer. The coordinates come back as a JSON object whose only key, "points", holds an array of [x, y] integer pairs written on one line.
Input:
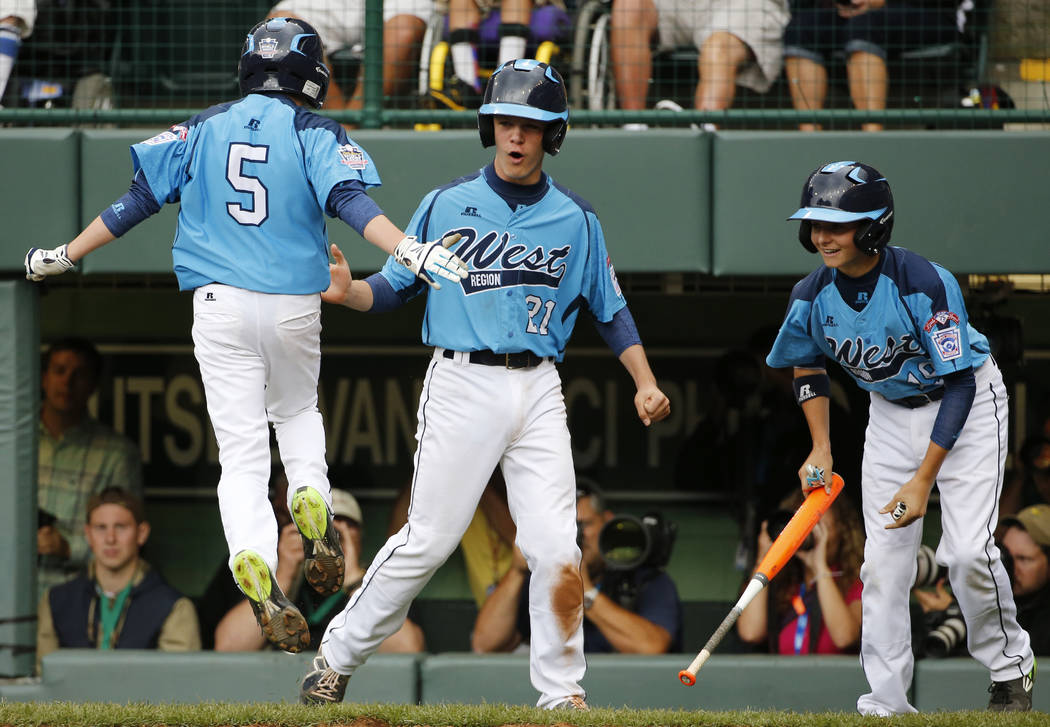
{"points": [[813, 606], [626, 611]]}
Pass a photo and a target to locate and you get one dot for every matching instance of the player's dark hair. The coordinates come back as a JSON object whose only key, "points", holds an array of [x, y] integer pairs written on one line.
{"points": [[586, 487], [80, 346], [117, 496]]}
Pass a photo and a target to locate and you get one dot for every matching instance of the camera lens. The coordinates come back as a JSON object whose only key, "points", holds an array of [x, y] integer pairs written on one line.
{"points": [[624, 543], [927, 571], [948, 635]]}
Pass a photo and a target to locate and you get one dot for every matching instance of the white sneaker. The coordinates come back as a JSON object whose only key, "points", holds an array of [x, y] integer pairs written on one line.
{"points": [[636, 127], [666, 104]]}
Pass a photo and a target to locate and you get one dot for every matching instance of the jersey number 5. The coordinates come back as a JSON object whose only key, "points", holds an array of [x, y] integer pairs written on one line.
{"points": [[235, 159], [535, 304]]}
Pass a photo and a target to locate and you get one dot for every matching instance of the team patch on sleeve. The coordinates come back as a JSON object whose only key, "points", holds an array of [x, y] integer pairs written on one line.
{"points": [[612, 276], [352, 157], [175, 133], [948, 343], [941, 318]]}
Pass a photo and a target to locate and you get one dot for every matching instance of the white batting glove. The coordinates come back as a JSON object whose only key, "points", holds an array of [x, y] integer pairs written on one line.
{"points": [[427, 259], [40, 263]]}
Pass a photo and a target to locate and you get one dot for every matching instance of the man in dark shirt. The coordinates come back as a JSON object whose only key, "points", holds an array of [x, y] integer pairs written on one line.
{"points": [[636, 612]]}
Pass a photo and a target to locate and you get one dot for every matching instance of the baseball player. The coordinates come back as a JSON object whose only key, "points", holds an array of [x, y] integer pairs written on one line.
{"points": [[255, 178], [897, 324], [492, 395]]}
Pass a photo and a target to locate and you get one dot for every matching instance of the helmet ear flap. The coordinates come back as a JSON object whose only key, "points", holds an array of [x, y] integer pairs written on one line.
{"points": [[487, 130], [805, 235], [553, 136], [873, 237]]}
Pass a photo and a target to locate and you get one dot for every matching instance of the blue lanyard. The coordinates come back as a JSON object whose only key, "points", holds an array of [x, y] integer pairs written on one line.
{"points": [[802, 621]]}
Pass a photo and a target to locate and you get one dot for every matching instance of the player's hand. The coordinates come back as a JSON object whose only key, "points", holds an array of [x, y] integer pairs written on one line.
{"points": [[40, 262], [427, 259], [651, 403], [816, 558], [816, 471], [908, 504], [341, 278], [49, 541]]}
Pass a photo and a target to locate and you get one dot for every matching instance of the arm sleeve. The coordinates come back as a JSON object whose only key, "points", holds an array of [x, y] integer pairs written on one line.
{"points": [[959, 390], [619, 333], [137, 204], [46, 638], [794, 346], [349, 202], [384, 297], [658, 603], [181, 630], [601, 289], [162, 159], [331, 157]]}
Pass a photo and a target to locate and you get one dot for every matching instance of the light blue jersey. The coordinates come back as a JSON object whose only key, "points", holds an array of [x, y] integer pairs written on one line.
{"points": [[536, 257], [253, 177], [912, 331]]}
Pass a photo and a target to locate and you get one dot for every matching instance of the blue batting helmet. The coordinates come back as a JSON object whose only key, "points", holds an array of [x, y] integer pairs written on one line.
{"points": [[847, 192], [527, 89], [284, 54]]}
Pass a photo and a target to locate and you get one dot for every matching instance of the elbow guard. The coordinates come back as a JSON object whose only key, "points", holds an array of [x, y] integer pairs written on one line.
{"points": [[811, 386]]}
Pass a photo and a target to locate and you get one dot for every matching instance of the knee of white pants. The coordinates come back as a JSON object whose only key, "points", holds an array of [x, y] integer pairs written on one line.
{"points": [[968, 564]]}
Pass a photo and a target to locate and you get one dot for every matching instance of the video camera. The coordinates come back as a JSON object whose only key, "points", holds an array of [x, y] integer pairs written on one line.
{"points": [[627, 542]]}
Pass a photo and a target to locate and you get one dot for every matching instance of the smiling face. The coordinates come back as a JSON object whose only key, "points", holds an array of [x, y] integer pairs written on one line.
{"points": [[519, 149], [835, 241]]}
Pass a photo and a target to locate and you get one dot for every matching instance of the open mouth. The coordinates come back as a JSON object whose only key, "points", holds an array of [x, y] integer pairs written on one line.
{"points": [[516, 155]]}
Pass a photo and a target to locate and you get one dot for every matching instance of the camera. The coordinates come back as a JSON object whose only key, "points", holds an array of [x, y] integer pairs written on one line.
{"points": [[947, 630], [776, 523], [628, 543], [927, 571]]}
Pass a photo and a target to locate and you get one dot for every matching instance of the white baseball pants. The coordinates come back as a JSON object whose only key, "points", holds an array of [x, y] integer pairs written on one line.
{"points": [[259, 357], [472, 418], [970, 482]]}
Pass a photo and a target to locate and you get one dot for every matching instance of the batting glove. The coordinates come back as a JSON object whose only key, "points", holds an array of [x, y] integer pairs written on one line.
{"points": [[41, 263], [427, 259]]}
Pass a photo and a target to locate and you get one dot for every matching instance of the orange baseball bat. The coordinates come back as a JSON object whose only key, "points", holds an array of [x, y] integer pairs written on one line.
{"points": [[798, 527]]}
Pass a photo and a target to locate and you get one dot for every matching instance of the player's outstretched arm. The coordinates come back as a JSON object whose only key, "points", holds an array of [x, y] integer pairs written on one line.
{"points": [[427, 260], [40, 263], [651, 404], [343, 289]]}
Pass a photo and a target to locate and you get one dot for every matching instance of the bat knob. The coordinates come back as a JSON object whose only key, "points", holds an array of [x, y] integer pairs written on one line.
{"points": [[687, 678]]}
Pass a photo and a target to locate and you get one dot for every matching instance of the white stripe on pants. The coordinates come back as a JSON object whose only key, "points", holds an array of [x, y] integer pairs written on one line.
{"points": [[259, 356], [969, 482]]}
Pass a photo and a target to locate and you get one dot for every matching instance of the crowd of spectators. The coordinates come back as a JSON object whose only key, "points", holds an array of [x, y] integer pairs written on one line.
{"points": [[786, 53]]}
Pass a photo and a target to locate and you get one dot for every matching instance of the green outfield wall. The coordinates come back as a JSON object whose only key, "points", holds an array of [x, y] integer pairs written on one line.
{"points": [[727, 682], [669, 200]]}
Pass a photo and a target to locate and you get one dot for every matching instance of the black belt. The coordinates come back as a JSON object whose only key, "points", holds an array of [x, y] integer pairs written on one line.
{"points": [[914, 402], [522, 360]]}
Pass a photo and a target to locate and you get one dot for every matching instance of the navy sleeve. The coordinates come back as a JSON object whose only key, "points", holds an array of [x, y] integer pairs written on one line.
{"points": [[619, 333], [349, 202], [384, 297], [959, 390], [137, 204]]}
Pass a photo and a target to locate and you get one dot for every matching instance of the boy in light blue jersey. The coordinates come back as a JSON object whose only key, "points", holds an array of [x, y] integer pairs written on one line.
{"points": [[254, 178], [492, 395], [897, 324]]}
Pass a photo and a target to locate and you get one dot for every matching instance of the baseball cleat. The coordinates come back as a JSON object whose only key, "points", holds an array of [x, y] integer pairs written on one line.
{"points": [[280, 621], [324, 564], [322, 684], [1014, 695]]}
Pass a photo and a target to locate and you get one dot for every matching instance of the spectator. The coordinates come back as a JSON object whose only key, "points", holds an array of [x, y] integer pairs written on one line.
{"points": [[636, 613], [739, 42], [16, 24], [813, 605], [869, 31], [1027, 541], [228, 623], [78, 457], [341, 24], [1030, 481], [119, 601], [516, 27]]}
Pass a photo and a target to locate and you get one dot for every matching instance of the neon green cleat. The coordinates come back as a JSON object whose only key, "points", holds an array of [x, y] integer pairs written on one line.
{"points": [[324, 565], [280, 621]]}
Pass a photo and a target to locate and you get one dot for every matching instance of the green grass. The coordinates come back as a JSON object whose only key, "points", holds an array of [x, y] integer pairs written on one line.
{"points": [[91, 714]]}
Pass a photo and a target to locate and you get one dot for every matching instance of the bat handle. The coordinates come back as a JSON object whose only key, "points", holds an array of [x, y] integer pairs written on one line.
{"points": [[688, 675]]}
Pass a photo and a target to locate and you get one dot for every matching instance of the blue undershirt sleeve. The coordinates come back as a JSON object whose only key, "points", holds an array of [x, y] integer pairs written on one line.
{"points": [[959, 390], [137, 204], [349, 202], [384, 297], [620, 332]]}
